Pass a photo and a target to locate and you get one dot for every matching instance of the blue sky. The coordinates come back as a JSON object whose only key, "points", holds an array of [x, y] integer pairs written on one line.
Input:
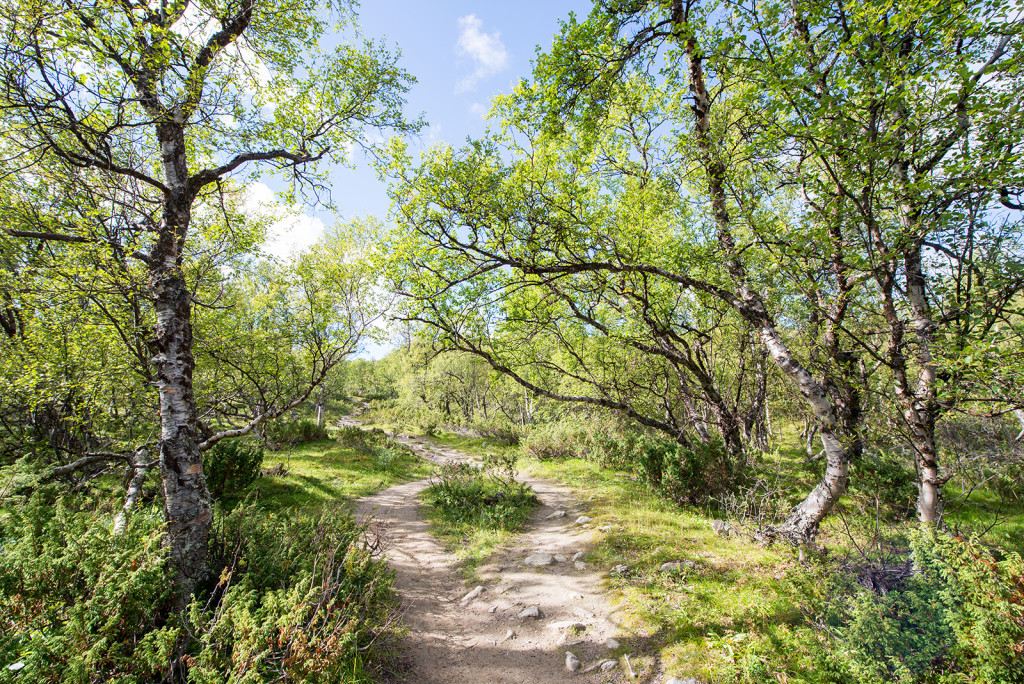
{"points": [[462, 55]]}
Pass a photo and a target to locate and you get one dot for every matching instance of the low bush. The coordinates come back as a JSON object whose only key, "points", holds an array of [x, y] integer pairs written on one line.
{"points": [[500, 431], [78, 603], [384, 452], [696, 475], [465, 496], [958, 616], [301, 599], [881, 478], [599, 438], [230, 466], [291, 433]]}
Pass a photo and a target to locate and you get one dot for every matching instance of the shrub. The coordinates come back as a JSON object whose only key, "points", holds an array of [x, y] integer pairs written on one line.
{"points": [[598, 438], [80, 604], [501, 431], [900, 636], [465, 495], [230, 466], [694, 475], [302, 599], [958, 618], [883, 478], [385, 454], [553, 440], [985, 604], [290, 433]]}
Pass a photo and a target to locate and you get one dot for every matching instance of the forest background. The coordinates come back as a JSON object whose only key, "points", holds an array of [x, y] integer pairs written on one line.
{"points": [[764, 258]]}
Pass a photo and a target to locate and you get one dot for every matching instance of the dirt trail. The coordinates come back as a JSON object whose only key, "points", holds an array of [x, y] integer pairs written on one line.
{"points": [[452, 640]]}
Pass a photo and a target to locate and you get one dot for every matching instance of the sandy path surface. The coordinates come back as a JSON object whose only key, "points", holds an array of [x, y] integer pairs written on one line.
{"points": [[483, 639]]}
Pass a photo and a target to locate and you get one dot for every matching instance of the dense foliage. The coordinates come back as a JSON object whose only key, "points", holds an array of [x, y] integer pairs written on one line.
{"points": [[301, 597], [232, 466]]}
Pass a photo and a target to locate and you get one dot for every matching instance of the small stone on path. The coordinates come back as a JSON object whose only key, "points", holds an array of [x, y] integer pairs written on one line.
{"points": [[510, 635], [530, 612], [620, 569], [560, 558], [556, 514], [580, 565], [583, 614], [611, 644], [472, 595], [577, 556], [583, 520], [540, 559], [572, 663]]}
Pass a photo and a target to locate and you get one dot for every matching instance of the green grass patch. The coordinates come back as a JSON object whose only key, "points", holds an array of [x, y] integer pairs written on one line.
{"points": [[474, 510], [730, 590], [326, 472]]}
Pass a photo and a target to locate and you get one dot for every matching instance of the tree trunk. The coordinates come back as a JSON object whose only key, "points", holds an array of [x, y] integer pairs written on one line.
{"points": [[186, 499], [841, 444]]}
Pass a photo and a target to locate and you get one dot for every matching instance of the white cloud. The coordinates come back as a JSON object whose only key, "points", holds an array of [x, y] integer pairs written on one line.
{"points": [[290, 230], [485, 49], [479, 108], [293, 234]]}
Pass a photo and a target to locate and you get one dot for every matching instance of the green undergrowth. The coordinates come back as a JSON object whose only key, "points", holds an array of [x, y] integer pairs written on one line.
{"points": [[298, 597], [328, 471], [742, 613], [473, 510], [732, 588]]}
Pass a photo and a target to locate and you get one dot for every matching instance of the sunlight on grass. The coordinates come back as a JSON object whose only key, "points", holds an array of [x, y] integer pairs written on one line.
{"points": [[732, 587], [324, 472]]}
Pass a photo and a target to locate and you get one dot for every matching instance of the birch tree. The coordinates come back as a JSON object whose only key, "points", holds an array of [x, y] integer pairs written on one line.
{"points": [[179, 97]]}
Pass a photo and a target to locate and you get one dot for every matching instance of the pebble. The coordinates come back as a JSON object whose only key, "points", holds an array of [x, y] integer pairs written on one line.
{"points": [[530, 612], [580, 565], [583, 520], [560, 558], [572, 663], [577, 556], [510, 635], [611, 644], [583, 614], [472, 595], [539, 559], [492, 608], [620, 569], [556, 514]]}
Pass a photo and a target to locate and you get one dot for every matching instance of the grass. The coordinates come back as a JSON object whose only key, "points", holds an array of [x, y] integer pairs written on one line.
{"points": [[474, 511], [734, 587], [325, 472]]}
